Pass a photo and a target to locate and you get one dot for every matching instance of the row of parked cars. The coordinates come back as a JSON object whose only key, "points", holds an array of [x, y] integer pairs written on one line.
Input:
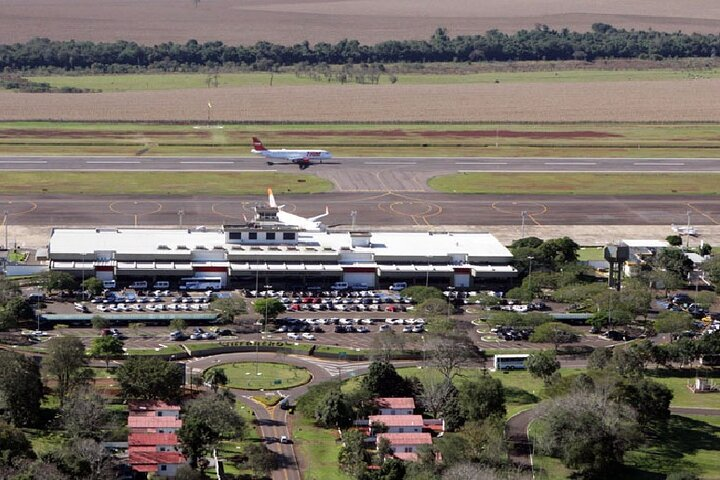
{"points": [[508, 333]]}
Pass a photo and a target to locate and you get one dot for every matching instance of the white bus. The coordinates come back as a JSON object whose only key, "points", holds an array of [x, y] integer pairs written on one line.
{"points": [[201, 283], [510, 361]]}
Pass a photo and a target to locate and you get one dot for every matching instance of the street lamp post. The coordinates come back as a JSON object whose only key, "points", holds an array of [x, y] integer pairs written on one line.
{"points": [[522, 224], [687, 231], [180, 213], [5, 222]]}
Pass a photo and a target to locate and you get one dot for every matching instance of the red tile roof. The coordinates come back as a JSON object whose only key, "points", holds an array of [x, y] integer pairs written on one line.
{"points": [[137, 439], [154, 422], [422, 438], [398, 420], [407, 456], [152, 405], [154, 458], [395, 402]]}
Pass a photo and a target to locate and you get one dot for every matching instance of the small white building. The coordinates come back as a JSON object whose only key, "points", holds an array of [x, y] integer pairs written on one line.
{"points": [[395, 405]]}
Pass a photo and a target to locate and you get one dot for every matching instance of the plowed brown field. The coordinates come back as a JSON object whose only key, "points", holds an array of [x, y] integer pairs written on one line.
{"points": [[290, 21], [689, 100]]}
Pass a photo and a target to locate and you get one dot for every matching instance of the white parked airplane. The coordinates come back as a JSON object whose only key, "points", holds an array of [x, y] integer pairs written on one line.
{"points": [[311, 223], [684, 230], [301, 158]]}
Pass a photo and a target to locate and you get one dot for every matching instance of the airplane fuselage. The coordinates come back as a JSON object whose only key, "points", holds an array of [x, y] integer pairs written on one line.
{"points": [[295, 155]]}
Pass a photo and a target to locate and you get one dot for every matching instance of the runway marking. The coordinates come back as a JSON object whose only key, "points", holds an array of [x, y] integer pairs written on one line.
{"points": [[570, 163], [207, 163], [389, 163], [703, 213], [659, 164], [135, 215], [111, 163], [23, 161], [5, 206], [481, 163]]}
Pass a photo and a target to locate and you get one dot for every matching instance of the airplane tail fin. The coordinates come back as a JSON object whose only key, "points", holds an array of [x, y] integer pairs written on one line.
{"points": [[258, 145], [318, 217], [271, 198]]}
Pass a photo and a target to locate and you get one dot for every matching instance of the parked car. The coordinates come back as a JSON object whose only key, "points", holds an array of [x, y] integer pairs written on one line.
{"points": [[308, 336]]}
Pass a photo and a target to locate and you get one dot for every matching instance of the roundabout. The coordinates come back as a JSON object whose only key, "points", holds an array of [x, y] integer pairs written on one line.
{"points": [[264, 375]]}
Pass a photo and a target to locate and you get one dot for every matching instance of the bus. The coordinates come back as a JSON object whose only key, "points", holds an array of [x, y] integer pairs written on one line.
{"points": [[201, 283], [510, 361]]}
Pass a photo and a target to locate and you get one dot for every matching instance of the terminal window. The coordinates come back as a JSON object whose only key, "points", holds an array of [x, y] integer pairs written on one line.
{"points": [[235, 236], [252, 235], [270, 236], [288, 236]]}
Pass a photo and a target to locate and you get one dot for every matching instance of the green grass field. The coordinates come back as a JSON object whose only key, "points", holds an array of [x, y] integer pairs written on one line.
{"points": [[590, 253], [160, 183], [366, 140], [174, 81], [272, 376], [319, 448], [580, 183], [691, 443]]}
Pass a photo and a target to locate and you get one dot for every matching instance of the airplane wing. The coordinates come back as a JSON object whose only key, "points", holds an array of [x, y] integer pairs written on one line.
{"points": [[318, 217], [271, 198]]}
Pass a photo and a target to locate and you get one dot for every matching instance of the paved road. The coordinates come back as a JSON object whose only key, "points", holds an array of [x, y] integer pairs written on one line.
{"points": [[381, 174]]}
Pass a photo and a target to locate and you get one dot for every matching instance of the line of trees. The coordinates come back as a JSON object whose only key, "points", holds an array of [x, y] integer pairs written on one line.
{"points": [[540, 43]]}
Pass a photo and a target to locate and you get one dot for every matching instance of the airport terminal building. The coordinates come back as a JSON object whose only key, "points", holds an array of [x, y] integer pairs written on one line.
{"points": [[267, 251]]}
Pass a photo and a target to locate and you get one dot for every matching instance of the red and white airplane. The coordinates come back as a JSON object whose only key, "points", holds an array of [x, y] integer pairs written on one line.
{"points": [[301, 158]]}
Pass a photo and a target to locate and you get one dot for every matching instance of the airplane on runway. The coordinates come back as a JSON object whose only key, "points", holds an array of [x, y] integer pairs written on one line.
{"points": [[311, 224], [301, 158]]}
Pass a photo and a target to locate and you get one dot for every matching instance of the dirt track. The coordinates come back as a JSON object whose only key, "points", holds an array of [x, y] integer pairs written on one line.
{"points": [[639, 101]]}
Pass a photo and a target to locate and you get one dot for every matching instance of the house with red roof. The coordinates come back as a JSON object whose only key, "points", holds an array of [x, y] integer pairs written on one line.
{"points": [[398, 423], [153, 442]]}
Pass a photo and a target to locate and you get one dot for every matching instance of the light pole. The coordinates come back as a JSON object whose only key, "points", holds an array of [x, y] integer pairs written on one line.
{"points": [[522, 224], [687, 231], [180, 213], [353, 217], [5, 222]]}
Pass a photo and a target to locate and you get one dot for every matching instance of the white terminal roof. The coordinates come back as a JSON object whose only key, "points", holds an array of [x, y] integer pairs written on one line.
{"points": [[72, 241], [646, 243]]}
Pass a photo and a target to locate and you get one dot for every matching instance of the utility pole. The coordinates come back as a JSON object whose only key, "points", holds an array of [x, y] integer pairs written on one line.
{"points": [[353, 216], [5, 221], [180, 213], [522, 224], [531, 258]]}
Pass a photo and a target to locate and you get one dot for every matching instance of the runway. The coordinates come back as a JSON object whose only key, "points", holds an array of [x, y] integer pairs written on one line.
{"points": [[381, 174], [388, 192]]}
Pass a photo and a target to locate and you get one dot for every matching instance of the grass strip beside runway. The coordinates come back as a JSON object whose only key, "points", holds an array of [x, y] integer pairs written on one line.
{"points": [[579, 183], [160, 183]]}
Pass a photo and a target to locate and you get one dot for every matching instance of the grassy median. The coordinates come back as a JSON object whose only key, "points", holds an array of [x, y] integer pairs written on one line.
{"points": [[160, 183], [579, 183]]}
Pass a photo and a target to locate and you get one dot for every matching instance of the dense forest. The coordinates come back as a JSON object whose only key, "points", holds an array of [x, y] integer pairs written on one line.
{"points": [[541, 43]]}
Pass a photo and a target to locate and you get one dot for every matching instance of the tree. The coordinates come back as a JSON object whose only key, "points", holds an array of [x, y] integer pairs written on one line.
{"points": [[353, 457], [385, 345], [260, 460], [21, 388], [599, 359], [208, 419], [229, 308], [333, 411], [65, 360], [98, 322], [420, 294], [674, 260], [185, 472], [543, 365], [486, 440], [382, 380], [434, 306], [628, 362], [392, 469], [384, 449], [13, 444], [87, 459], [448, 353], [673, 322], [93, 285], [674, 240], [14, 309], [711, 267], [555, 333], [177, 324], [150, 378], [482, 397], [55, 280], [84, 414], [106, 347], [588, 432], [215, 377], [268, 307], [651, 400]]}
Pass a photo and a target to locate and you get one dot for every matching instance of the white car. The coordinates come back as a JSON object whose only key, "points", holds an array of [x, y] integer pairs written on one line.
{"points": [[362, 329], [308, 336], [293, 336], [384, 328], [407, 329]]}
